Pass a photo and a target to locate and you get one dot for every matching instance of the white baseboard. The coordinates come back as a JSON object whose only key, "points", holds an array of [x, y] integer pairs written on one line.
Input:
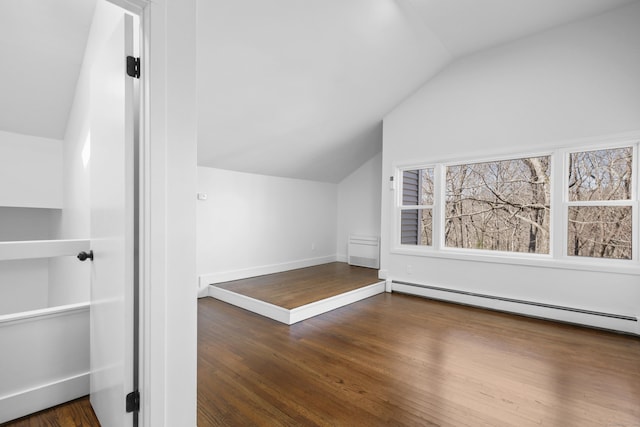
{"points": [[263, 308], [342, 258], [323, 306], [227, 276], [297, 314], [574, 315], [35, 399]]}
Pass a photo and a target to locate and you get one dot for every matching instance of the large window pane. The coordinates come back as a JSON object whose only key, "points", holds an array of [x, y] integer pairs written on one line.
{"points": [[501, 205], [416, 227], [600, 174], [600, 231]]}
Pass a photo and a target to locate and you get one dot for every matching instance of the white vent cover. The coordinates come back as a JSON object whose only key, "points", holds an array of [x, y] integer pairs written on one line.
{"points": [[364, 251]]}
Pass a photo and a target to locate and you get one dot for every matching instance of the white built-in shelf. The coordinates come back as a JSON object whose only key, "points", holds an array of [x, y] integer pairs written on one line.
{"points": [[30, 249]]}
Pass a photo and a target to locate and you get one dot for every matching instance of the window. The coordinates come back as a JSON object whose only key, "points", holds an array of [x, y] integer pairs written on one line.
{"points": [[600, 203], [416, 213], [564, 204], [500, 206]]}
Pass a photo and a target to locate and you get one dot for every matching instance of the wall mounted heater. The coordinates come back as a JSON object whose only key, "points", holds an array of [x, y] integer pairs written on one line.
{"points": [[364, 251]]}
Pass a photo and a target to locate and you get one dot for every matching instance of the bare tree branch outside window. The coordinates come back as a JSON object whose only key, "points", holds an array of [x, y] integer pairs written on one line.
{"points": [[501, 206], [600, 229], [505, 205]]}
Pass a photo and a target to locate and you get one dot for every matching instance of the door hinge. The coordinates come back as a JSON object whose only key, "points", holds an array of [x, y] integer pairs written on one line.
{"points": [[133, 401], [133, 67]]}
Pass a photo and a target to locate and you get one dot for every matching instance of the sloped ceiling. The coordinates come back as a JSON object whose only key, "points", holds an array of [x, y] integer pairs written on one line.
{"points": [[42, 45], [286, 87], [467, 26], [298, 88]]}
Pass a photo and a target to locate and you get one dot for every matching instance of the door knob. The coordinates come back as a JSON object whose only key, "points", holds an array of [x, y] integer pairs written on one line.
{"points": [[83, 256]]}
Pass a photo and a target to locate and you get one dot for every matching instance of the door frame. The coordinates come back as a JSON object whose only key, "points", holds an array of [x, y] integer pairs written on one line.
{"points": [[167, 240]]}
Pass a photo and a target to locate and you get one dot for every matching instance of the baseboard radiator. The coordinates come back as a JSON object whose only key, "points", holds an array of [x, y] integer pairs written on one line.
{"points": [[364, 251], [512, 300]]}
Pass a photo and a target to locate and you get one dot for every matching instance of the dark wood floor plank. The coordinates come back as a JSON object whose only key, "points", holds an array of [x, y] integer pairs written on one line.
{"points": [[401, 360], [396, 360], [296, 288], [77, 413]]}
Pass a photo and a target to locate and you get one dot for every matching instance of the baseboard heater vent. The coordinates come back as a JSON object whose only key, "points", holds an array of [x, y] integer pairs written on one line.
{"points": [[537, 304], [364, 251]]}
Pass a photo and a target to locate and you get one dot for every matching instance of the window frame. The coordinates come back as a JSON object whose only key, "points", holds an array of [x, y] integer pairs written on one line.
{"points": [[442, 207], [566, 203], [399, 178], [559, 206]]}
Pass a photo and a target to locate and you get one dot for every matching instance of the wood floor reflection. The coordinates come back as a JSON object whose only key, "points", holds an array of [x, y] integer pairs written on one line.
{"points": [[395, 360], [401, 360], [77, 413]]}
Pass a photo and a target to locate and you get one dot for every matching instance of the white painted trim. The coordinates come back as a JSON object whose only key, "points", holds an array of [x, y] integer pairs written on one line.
{"points": [[323, 306], [289, 317], [30, 249], [619, 266], [227, 276], [256, 306], [584, 319], [31, 400], [342, 258], [62, 310], [557, 257]]}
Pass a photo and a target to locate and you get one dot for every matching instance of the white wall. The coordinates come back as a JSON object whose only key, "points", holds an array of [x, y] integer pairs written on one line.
{"points": [[41, 360], [25, 224], [30, 184], [24, 283], [576, 81], [359, 204], [256, 224], [30, 171]]}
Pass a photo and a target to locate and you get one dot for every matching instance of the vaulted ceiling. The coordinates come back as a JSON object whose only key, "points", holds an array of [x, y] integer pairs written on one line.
{"points": [[299, 88], [42, 46], [285, 87]]}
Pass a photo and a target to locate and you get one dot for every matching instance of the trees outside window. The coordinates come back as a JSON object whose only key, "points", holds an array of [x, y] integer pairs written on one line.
{"points": [[500, 206], [505, 206], [599, 199]]}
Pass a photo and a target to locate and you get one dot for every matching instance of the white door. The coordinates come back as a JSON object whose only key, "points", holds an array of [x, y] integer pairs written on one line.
{"points": [[112, 228]]}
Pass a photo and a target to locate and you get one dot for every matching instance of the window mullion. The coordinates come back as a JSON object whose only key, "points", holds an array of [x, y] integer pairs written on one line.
{"points": [[438, 211], [559, 211]]}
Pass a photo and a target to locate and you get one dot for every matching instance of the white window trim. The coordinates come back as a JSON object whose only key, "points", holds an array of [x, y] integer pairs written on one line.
{"points": [[557, 257], [566, 203], [399, 207]]}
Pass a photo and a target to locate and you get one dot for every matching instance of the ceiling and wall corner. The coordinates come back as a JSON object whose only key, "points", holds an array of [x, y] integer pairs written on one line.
{"points": [[298, 89], [468, 26], [42, 45], [285, 88]]}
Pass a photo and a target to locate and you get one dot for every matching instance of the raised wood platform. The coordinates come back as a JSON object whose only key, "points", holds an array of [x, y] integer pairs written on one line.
{"points": [[296, 295]]}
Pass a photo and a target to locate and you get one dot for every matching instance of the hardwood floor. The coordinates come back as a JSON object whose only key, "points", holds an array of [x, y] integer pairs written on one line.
{"points": [[77, 413], [296, 288], [396, 360]]}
